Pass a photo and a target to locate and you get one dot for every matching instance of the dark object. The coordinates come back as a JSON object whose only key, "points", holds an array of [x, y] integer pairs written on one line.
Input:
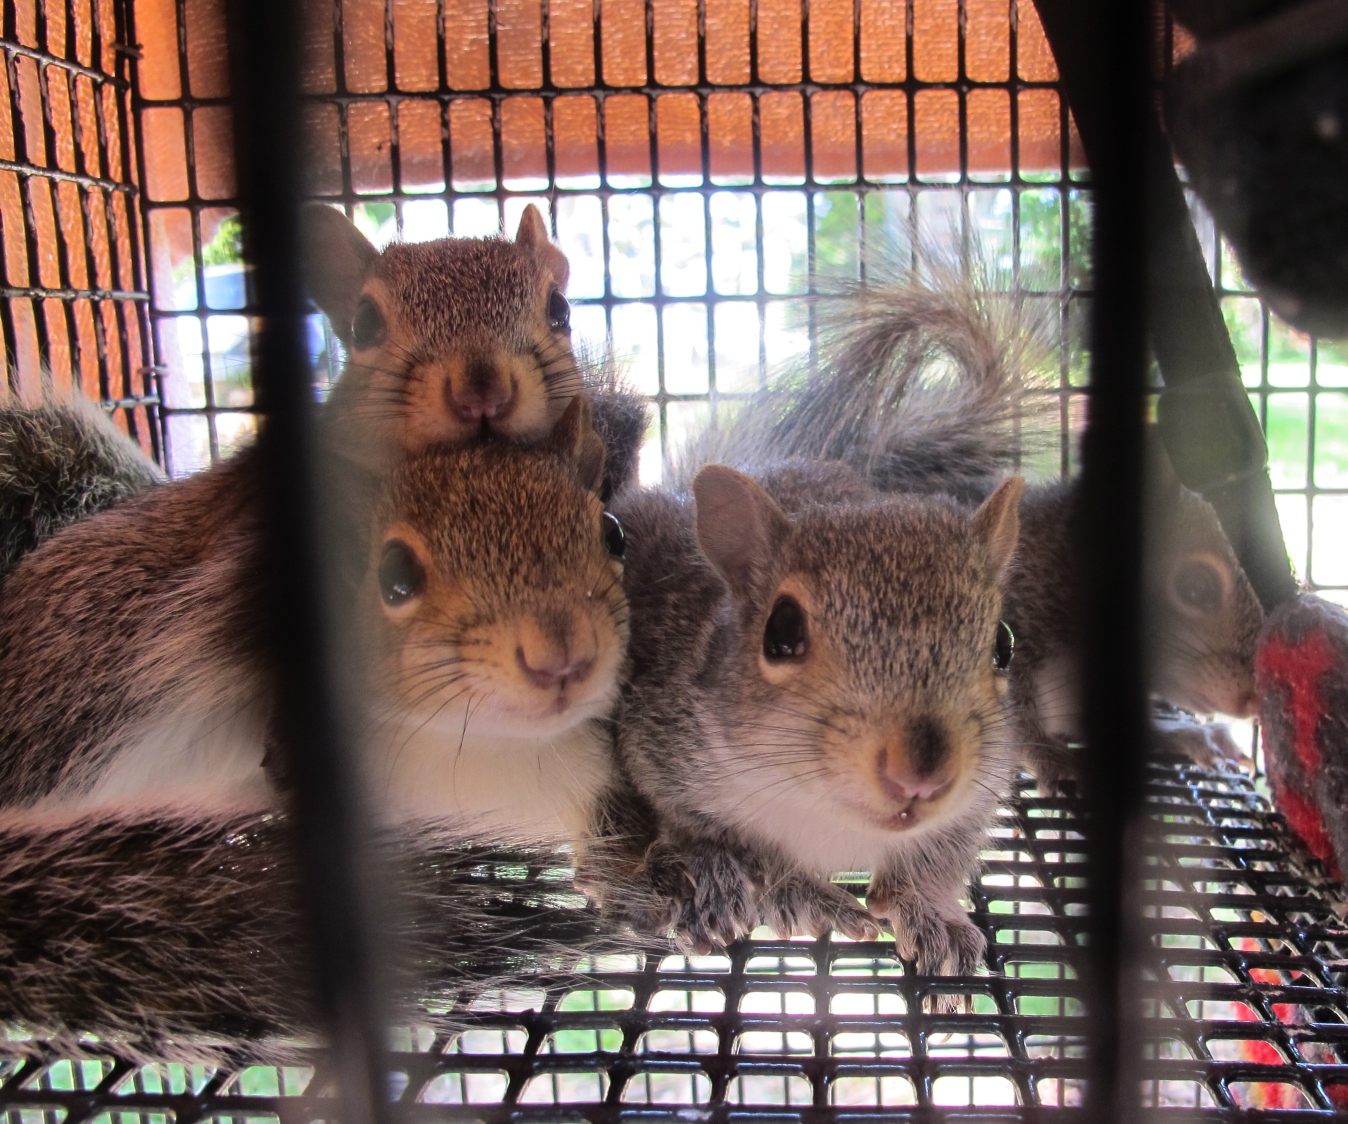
{"points": [[1113, 45], [315, 712], [1259, 115], [1303, 684], [1207, 424]]}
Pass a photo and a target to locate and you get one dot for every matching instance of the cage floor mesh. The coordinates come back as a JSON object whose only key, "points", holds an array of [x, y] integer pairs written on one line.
{"points": [[1243, 997]]}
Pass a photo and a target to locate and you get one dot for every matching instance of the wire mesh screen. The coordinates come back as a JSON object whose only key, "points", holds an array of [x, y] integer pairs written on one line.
{"points": [[704, 166], [1243, 998], [74, 307]]}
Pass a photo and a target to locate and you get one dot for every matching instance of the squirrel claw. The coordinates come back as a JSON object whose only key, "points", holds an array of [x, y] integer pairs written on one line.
{"points": [[803, 906], [941, 942]]}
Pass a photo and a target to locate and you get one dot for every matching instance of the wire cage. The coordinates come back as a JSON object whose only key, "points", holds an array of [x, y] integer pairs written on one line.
{"points": [[706, 165], [75, 308]]}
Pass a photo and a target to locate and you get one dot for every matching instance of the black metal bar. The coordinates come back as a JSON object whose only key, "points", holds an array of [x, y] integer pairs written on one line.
{"points": [[312, 720], [1111, 46]]}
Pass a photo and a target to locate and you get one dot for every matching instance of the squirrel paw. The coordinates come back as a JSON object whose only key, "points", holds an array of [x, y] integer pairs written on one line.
{"points": [[803, 906], [942, 943], [1207, 744], [723, 906], [704, 895]]}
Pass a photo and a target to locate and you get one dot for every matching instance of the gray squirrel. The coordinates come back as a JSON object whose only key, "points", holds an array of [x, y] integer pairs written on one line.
{"points": [[872, 401], [493, 632], [158, 938], [816, 686]]}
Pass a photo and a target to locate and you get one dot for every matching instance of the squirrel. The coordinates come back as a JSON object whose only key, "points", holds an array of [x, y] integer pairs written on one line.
{"points": [[872, 402], [61, 460], [172, 939], [430, 316], [492, 620], [445, 340], [816, 685]]}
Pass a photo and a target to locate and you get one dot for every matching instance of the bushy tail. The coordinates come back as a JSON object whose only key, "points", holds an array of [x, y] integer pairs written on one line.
{"points": [[922, 385], [60, 462], [180, 940]]}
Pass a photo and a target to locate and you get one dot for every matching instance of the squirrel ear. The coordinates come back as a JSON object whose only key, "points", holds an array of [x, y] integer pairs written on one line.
{"points": [[997, 522], [739, 526], [533, 236], [337, 258], [575, 439]]}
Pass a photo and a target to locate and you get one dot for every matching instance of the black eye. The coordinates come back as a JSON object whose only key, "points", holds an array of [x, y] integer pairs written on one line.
{"points": [[559, 312], [784, 637], [367, 326], [1199, 586], [401, 576], [1004, 647], [614, 538]]}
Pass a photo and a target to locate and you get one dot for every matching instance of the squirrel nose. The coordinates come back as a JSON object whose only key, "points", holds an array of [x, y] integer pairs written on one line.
{"points": [[553, 653], [478, 390], [919, 767]]}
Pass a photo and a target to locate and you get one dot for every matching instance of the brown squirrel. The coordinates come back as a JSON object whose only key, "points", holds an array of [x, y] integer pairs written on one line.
{"points": [[445, 340], [816, 686], [429, 314], [872, 402], [168, 939], [491, 609]]}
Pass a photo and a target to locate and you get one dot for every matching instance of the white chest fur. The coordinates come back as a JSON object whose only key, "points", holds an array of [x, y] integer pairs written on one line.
{"points": [[511, 789], [210, 760], [796, 809]]}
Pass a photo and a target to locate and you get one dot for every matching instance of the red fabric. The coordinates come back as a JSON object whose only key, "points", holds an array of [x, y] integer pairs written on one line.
{"points": [[1299, 669]]}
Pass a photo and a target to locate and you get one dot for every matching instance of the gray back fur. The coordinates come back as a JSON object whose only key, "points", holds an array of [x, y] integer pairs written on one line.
{"points": [[165, 939], [60, 462]]}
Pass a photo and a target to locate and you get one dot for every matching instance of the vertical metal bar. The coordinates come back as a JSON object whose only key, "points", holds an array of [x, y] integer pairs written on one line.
{"points": [[308, 720], [1116, 46]]}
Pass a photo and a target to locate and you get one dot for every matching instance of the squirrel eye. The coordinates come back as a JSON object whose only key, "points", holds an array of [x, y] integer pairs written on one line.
{"points": [[784, 636], [559, 312], [1197, 585], [1004, 647], [367, 326], [401, 575], [615, 539]]}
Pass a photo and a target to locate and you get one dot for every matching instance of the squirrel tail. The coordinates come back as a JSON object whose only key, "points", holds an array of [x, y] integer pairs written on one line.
{"points": [[181, 939], [60, 461], [930, 383]]}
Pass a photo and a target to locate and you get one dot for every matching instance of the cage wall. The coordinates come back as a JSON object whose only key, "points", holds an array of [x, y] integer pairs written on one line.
{"points": [[75, 307]]}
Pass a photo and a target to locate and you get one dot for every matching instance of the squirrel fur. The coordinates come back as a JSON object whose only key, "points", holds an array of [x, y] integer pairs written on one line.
{"points": [[60, 461], [493, 623], [161, 938], [875, 403], [870, 738]]}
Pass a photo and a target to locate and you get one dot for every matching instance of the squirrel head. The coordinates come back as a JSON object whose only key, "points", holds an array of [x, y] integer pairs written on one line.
{"points": [[445, 340], [495, 586], [1205, 616], [868, 650]]}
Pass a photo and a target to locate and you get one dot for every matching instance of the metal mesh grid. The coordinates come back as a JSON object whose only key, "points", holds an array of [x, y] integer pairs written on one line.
{"points": [[1243, 995], [702, 164], [74, 302]]}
